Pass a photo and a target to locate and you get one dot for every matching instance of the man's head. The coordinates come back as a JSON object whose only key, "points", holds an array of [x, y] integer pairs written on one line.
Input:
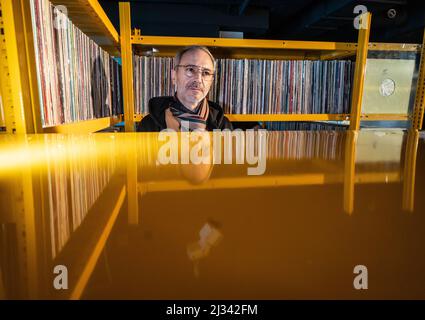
{"points": [[193, 74]]}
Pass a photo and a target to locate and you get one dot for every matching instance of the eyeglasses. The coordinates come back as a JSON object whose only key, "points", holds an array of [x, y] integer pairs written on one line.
{"points": [[191, 70]]}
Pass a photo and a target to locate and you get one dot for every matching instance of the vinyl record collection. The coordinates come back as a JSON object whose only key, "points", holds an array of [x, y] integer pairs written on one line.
{"points": [[152, 78], [299, 125], [243, 86], [277, 86], [73, 185], [77, 79]]}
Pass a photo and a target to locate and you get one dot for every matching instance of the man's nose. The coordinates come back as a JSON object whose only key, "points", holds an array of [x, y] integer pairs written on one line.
{"points": [[198, 76]]}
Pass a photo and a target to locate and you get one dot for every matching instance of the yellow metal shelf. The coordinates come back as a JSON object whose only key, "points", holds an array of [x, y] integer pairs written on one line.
{"points": [[241, 43], [384, 116], [287, 117], [419, 108], [244, 48], [380, 46], [271, 49], [89, 17], [87, 126], [360, 70], [261, 48], [308, 117]]}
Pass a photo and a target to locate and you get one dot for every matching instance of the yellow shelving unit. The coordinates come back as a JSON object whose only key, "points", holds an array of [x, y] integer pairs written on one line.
{"points": [[89, 17], [28, 207], [134, 41], [19, 83], [20, 101], [419, 109], [84, 126]]}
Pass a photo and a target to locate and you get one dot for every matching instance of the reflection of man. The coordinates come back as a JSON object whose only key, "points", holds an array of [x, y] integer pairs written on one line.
{"points": [[189, 108]]}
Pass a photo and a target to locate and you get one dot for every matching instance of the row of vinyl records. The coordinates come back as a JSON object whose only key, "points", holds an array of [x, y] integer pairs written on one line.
{"points": [[248, 86], [301, 125], [74, 185], [77, 79], [80, 81], [281, 145]]}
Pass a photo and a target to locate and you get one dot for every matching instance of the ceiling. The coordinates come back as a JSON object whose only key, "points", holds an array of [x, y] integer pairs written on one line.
{"points": [[332, 20]]}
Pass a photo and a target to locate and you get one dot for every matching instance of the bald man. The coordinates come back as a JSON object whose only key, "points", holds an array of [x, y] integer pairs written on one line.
{"points": [[188, 109]]}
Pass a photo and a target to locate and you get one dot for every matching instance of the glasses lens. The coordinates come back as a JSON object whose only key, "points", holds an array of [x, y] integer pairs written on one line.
{"points": [[192, 71]]}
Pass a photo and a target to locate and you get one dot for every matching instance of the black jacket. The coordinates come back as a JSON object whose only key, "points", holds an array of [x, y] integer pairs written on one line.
{"points": [[155, 120]]}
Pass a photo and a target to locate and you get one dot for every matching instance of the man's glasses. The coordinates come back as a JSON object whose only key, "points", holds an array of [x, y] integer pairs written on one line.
{"points": [[192, 70]]}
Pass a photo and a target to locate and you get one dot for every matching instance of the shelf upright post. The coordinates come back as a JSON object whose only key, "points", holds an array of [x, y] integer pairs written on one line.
{"points": [[410, 170], [128, 92], [19, 89], [127, 65], [360, 70], [418, 115]]}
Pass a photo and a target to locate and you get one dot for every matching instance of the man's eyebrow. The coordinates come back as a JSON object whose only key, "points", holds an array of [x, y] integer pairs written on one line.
{"points": [[194, 65]]}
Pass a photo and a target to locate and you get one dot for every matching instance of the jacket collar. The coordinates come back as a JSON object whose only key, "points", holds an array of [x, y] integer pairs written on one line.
{"points": [[158, 105]]}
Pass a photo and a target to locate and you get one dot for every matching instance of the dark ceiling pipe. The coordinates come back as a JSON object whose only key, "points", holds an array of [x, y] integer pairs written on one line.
{"points": [[243, 6]]}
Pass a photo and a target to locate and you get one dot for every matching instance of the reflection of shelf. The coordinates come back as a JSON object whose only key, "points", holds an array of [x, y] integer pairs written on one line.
{"points": [[86, 244], [89, 17], [378, 177], [267, 181], [87, 126]]}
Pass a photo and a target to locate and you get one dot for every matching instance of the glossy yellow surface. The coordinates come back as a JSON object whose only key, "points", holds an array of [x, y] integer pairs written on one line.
{"points": [[326, 203]]}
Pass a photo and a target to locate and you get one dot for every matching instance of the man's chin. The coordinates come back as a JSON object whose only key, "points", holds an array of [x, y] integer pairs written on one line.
{"points": [[196, 98]]}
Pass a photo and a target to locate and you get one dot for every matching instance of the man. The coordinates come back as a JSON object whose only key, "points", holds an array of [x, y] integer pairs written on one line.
{"points": [[189, 108]]}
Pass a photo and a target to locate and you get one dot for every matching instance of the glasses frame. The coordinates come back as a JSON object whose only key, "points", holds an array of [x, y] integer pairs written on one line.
{"points": [[199, 70]]}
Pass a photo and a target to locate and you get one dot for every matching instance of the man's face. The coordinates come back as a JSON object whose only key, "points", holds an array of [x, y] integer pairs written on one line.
{"points": [[191, 89]]}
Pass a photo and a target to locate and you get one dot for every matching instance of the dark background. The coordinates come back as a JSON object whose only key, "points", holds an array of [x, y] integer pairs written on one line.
{"points": [[330, 20]]}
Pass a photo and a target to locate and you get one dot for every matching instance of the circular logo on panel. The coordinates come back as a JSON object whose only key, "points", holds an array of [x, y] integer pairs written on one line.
{"points": [[387, 87]]}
